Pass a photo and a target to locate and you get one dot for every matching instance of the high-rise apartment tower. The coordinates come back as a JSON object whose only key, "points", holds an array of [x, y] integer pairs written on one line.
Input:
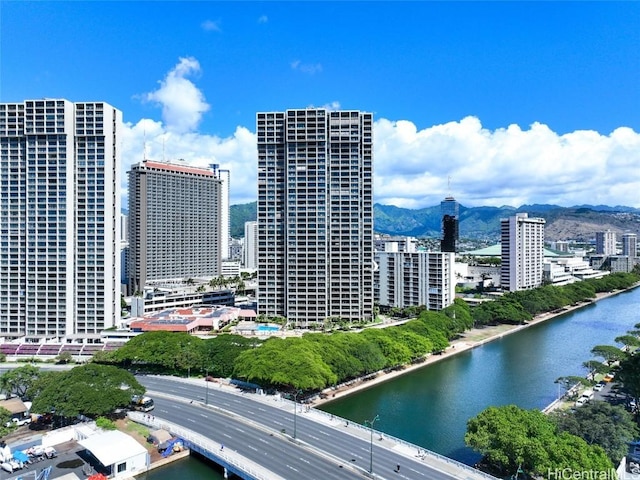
{"points": [[315, 215], [450, 217], [174, 224], [522, 241], [59, 219]]}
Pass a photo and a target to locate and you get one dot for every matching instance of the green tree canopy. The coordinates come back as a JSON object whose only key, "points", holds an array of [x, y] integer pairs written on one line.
{"points": [[161, 351], [93, 390], [219, 353], [291, 364], [600, 423], [609, 353], [19, 380], [510, 437]]}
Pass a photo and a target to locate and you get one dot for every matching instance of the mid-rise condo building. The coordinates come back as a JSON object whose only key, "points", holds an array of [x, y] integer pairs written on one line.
{"points": [[606, 243], [522, 247]]}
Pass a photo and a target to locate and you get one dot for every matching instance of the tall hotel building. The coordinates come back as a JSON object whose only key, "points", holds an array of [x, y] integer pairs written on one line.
{"points": [[315, 215], [174, 224], [59, 219], [522, 252]]}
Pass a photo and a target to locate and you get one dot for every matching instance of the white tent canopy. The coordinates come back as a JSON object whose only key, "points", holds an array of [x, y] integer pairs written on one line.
{"points": [[112, 447]]}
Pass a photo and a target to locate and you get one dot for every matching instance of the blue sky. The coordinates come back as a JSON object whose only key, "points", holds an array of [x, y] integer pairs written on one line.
{"points": [[516, 102]]}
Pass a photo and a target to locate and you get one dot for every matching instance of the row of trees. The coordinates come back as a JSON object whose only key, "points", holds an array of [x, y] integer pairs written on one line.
{"points": [[521, 306], [92, 390], [311, 362]]}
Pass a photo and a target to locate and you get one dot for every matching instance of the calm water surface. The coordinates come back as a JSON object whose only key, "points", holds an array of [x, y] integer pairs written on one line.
{"points": [[430, 407], [190, 468]]}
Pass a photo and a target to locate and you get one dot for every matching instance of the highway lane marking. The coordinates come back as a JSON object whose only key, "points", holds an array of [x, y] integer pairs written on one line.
{"points": [[278, 423], [191, 420], [305, 461], [293, 468], [314, 437], [324, 433], [417, 471], [226, 435], [261, 409], [263, 440], [252, 448], [250, 412], [204, 415], [239, 429]]}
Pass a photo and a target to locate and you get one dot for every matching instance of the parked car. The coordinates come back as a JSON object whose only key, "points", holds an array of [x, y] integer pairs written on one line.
{"points": [[18, 422], [598, 387], [581, 401]]}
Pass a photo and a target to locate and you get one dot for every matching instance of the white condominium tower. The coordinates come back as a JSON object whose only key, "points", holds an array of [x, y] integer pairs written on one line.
{"points": [[59, 219], [522, 252], [225, 223], [250, 247], [315, 215], [174, 224], [606, 243]]}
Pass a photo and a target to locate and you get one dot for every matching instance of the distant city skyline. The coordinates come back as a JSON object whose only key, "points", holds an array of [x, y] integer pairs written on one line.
{"points": [[515, 102]]}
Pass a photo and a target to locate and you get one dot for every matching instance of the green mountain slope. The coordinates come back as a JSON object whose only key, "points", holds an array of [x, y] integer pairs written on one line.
{"points": [[579, 223]]}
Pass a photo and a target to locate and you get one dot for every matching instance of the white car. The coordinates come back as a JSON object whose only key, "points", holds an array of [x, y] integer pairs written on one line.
{"points": [[581, 401], [18, 422], [598, 387]]}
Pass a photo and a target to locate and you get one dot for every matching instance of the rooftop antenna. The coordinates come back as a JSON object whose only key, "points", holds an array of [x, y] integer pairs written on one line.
{"points": [[449, 185]]}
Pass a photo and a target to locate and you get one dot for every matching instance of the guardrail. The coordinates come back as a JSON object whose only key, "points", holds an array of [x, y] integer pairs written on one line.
{"points": [[204, 444], [421, 452]]}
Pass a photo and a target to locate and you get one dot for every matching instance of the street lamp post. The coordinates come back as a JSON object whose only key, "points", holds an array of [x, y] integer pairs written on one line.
{"points": [[370, 423], [206, 396], [295, 409]]}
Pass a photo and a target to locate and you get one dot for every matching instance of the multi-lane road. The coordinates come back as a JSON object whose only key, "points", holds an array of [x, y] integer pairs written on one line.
{"points": [[323, 448]]}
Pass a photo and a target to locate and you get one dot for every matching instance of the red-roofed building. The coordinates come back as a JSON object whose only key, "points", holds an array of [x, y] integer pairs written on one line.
{"points": [[190, 320]]}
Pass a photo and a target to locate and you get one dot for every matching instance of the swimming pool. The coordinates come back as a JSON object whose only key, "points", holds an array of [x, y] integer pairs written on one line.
{"points": [[267, 328]]}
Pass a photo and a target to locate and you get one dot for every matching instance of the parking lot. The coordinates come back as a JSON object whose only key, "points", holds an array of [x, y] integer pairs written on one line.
{"points": [[70, 457]]}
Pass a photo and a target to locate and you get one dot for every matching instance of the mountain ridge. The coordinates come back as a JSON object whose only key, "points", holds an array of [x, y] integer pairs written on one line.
{"points": [[578, 223]]}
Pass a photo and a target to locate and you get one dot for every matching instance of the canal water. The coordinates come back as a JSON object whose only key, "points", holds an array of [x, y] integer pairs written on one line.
{"points": [[430, 406]]}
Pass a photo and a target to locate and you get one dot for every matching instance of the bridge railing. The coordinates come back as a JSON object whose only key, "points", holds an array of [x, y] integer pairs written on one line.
{"points": [[421, 452], [241, 463]]}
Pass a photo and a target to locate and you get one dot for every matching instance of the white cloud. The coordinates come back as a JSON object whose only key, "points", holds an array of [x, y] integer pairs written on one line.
{"points": [[263, 19], [506, 166], [182, 102], [308, 68], [211, 26]]}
